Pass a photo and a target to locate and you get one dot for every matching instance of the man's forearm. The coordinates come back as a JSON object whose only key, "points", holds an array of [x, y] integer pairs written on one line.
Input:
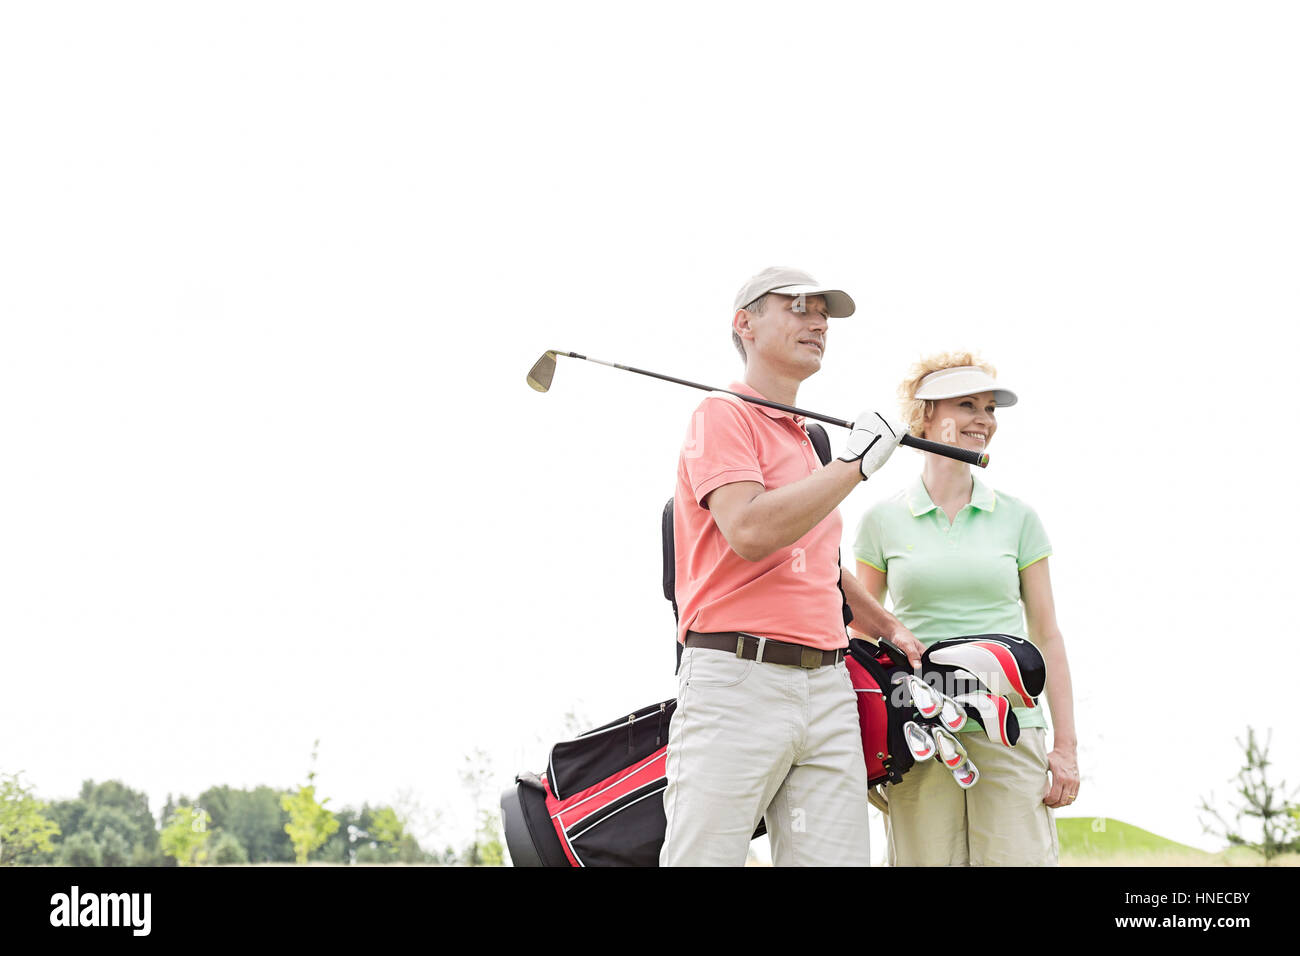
{"points": [[778, 518]]}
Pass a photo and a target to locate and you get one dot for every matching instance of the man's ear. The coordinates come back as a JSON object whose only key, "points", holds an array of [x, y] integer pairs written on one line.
{"points": [[740, 324]]}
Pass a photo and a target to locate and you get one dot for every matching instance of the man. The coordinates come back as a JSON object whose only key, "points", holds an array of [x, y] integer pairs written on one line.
{"points": [[766, 724]]}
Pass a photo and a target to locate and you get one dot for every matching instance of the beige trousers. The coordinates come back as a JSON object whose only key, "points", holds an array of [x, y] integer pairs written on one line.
{"points": [[1001, 821], [750, 741]]}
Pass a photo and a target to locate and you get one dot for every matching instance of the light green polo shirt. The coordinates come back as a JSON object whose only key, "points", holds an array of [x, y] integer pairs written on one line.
{"points": [[958, 579]]}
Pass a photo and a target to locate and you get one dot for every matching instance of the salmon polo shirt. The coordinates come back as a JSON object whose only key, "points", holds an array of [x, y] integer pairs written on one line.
{"points": [[792, 594]]}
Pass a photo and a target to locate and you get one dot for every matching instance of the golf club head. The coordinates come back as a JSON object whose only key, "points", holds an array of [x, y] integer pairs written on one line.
{"points": [[542, 373], [952, 715], [924, 697], [951, 752], [965, 774], [919, 741]]}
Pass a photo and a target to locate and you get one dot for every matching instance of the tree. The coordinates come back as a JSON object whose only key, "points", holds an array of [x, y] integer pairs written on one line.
{"points": [[341, 847], [226, 850], [80, 849], [310, 824], [101, 809], [253, 817], [1262, 801], [186, 835], [488, 848], [113, 849], [23, 825], [384, 838], [133, 818]]}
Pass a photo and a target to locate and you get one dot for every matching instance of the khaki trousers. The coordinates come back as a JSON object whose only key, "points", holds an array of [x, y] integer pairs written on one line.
{"points": [[750, 741], [1001, 821]]}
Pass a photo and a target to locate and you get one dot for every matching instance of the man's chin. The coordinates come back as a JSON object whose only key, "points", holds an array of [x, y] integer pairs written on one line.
{"points": [[808, 365]]}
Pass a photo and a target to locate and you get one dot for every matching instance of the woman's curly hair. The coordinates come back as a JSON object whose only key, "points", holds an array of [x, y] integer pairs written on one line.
{"points": [[916, 410]]}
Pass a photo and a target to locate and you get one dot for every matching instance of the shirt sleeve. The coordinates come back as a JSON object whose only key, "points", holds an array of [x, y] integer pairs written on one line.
{"points": [[1034, 545], [720, 448], [868, 546]]}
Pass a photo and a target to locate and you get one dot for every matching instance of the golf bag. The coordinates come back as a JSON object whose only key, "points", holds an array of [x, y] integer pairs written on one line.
{"points": [[600, 800], [881, 712]]}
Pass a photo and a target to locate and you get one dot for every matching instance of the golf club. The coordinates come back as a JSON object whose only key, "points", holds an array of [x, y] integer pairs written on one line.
{"points": [[542, 374], [924, 697], [951, 752], [952, 714], [965, 774], [919, 741]]}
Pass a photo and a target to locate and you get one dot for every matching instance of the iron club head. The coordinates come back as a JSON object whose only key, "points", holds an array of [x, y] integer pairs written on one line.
{"points": [[951, 752], [542, 373], [965, 774], [919, 740]]}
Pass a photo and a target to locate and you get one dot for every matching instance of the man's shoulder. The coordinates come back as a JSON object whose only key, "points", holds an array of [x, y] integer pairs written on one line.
{"points": [[723, 403], [719, 411]]}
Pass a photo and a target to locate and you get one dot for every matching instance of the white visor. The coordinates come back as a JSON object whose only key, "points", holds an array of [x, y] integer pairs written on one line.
{"points": [[964, 380]]}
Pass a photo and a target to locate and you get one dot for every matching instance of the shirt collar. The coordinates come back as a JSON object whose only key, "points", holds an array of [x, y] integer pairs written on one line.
{"points": [[918, 499], [743, 389], [982, 496], [919, 502]]}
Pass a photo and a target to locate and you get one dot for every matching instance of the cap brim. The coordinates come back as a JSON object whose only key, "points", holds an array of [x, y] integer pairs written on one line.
{"points": [[839, 304]]}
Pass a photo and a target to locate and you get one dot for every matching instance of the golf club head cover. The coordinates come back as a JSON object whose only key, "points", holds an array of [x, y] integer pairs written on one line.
{"points": [[1007, 666], [872, 441], [994, 714]]}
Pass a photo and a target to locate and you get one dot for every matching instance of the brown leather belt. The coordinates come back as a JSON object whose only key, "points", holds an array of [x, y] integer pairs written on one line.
{"points": [[751, 647]]}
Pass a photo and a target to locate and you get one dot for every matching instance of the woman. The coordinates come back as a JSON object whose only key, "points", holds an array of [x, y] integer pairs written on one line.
{"points": [[959, 558]]}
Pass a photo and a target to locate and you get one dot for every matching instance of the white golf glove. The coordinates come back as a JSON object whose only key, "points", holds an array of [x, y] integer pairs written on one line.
{"points": [[873, 440]]}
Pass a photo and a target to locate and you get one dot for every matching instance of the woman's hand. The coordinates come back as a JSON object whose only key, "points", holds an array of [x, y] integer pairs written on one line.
{"points": [[1063, 763]]}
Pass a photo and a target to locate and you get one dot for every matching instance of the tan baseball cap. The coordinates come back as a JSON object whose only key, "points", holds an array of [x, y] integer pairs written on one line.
{"points": [[786, 281]]}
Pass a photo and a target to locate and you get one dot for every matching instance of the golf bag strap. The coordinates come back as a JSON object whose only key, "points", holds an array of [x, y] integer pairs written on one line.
{"points": [[822, 445], [670, 565], [877, 798], [820, 441]]}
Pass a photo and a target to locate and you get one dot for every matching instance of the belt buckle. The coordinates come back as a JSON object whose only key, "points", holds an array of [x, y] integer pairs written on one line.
{"points": [[810, 657], [740, 645]]}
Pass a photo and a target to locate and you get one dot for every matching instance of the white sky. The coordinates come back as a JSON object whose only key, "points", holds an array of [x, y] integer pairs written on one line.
{"points": [[271, 276]]}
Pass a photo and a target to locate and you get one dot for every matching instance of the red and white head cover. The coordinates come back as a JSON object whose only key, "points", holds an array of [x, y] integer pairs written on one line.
{"points": [[1008, 666]]}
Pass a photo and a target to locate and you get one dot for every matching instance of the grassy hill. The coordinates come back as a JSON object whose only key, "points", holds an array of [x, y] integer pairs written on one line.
{"points": [[1122, 844]]}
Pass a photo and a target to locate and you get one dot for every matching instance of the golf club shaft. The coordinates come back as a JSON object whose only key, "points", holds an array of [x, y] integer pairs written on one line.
{"points": [[924, 444]]}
